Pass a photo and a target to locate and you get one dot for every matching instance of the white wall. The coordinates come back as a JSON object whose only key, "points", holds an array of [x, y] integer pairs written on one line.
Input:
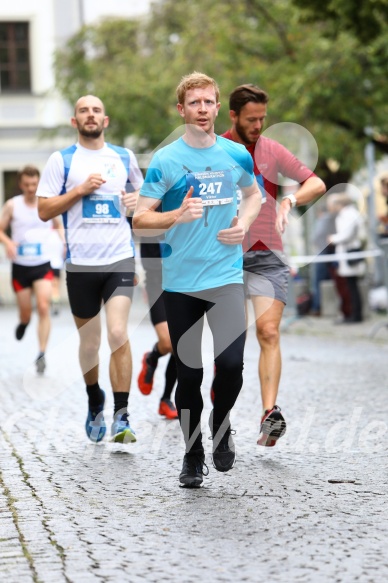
{"points": [[23, 116], [95, 9]]}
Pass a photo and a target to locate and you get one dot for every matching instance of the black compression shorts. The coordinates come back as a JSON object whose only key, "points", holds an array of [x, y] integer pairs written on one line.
{"points": [[89, 286]]}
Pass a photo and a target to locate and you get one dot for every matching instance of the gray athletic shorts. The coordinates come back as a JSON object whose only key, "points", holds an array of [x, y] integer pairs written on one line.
{"points": [[266, 274]]}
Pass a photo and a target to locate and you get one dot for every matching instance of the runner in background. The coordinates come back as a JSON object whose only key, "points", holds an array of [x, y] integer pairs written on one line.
{"points": [[28, 248], [150, 252], [265, 264], [58, 254], [86, 183]]}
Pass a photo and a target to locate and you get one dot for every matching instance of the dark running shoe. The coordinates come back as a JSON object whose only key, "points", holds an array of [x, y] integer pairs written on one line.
{"points": [[95, 423], [55, 309], [192, 472], [20, 329], [273, 426], [145, 379], [224, 451], [40, 363]]}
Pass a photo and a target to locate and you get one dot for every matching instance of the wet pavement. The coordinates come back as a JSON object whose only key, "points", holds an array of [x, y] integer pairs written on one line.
{"points": [[312, 509]]}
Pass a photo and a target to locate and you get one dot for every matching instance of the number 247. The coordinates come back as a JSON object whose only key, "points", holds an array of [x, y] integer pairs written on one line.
{"points": [[211, 188]]}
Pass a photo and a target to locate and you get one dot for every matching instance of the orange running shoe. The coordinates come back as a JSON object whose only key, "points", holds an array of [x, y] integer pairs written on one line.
{"points": [[167, 408], [145, 380]]}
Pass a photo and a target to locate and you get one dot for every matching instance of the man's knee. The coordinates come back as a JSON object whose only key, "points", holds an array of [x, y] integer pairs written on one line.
{"points": [[43, 308], [230, 365], [89, 347], [268, 333], [117, 337], [189, 378]]}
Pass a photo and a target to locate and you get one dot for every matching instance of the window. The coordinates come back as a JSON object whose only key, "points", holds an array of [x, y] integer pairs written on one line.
{"points": [[14, 57], [10, 184]]}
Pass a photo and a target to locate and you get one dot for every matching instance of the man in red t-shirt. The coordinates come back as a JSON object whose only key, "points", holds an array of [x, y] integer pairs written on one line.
{"points": [[265, 265]]}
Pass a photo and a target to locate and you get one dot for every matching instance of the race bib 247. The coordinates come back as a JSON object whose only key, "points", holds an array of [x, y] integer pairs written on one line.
{"points": [[215, 187]]}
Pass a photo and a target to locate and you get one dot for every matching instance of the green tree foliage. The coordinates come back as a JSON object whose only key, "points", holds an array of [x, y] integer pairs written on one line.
{"points": [[333, 86], [366, 23], [365, 19]]}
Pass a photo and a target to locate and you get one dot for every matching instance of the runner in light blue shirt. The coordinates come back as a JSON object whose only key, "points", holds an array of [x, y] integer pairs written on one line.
{"points": [[214, 172], [196, 180]]}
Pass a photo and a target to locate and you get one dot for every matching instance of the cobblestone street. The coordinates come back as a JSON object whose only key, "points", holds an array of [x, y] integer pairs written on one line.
{"points": [[312, 509]]}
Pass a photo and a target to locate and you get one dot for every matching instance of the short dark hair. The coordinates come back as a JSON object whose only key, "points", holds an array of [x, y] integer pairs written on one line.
{"points": [[243, 94], [30, 171]]}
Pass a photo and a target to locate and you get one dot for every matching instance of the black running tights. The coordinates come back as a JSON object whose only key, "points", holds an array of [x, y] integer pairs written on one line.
{"points": [[225, 312]]}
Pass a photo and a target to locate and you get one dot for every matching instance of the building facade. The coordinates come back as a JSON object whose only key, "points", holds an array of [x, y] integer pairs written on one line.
{"points": [[30, 32], [31, 110]]}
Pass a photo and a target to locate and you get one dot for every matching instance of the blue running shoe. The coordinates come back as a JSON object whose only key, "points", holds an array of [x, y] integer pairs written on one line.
{"points": [[95, 423], [121, 431]]}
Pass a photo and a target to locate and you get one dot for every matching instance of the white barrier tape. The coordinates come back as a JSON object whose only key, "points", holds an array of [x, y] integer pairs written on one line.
{"points": [[306, 259], [297, 259]]}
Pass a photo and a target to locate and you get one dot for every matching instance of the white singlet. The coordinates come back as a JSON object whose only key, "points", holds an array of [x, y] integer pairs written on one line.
{"points": [[97, 230], [30, 233]]}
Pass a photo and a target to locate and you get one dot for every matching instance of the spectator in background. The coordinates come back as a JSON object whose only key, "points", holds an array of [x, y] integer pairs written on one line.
{"points": [[383, 218], [350, 237], [324, 226]]}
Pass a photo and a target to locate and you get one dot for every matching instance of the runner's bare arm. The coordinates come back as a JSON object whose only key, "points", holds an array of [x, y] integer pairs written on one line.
{"points": [[59, 229], [5, 219], [307, 192], [129, 200], [148, 222], [51, 207], [6, 215], [249, 209]]}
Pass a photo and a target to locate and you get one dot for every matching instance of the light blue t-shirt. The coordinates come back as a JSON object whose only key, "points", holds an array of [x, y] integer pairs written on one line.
{"points": [[194, 260]]}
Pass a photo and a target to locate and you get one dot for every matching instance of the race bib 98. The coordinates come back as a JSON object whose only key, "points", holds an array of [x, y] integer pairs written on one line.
{"points": [[101, 208]]}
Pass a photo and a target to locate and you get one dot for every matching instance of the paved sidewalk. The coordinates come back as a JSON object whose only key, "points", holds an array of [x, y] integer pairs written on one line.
{"points": [[313, 509]]}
